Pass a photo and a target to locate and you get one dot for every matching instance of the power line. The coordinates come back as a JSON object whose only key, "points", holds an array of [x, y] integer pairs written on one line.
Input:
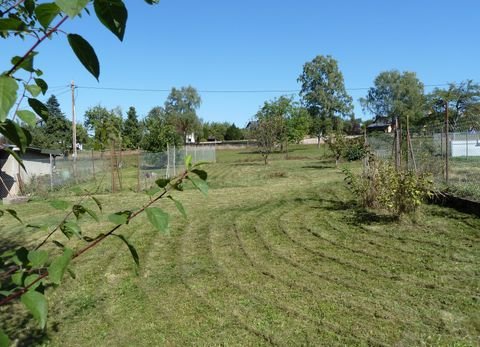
{"points": [[228, 91]]}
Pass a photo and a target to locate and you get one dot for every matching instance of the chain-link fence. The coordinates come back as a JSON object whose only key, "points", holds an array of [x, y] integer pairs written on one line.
{"points": [[112, 170], [454, 163], [171, 162]]}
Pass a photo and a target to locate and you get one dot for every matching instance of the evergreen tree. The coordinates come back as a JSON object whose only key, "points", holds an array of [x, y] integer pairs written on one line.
{"points": [[131, 132]]}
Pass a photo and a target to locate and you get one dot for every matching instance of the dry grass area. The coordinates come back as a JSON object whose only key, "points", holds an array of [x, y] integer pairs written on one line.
{"points": [[276, 255]]}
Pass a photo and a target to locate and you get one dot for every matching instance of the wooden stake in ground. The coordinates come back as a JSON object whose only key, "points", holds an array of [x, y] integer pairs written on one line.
{"points": [[93, 167], [138, 170], [112, 164]]}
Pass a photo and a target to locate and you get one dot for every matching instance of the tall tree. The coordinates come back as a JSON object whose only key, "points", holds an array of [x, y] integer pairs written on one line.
{"points": [[105, 124], [180, 108], [395, 95], [131, 131], [463, 101], [323, 93], [158, 133], [56, 131]]}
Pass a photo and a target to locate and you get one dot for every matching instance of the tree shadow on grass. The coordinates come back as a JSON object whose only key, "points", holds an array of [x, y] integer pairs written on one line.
{"points": [[319, 166]]}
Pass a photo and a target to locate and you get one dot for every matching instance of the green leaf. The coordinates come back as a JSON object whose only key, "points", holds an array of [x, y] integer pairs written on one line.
{"points": [[36, 303], [113, 14], [99, 204], [42, 84], [85, 53], [71, 228], [30, 6], [18, 135], [200, 173], [153, 191], [188, 162], [11, 24], [24, 63], [57, 268], [179, 206], [162, 182], [14, 214], [30, 279], [17, 278], [38, 258], [120, 217], [40, 109], [158, 218], [8, 95], [28, 117], [201, 185], [152, 2], [59, 204], [72, 7], [46, 13], [33, 89], [132, 250], [4, 340], [79, 210]]}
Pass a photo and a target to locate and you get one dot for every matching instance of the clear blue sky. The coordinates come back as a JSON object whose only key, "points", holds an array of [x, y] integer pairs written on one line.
{"points": [[259, 45]]}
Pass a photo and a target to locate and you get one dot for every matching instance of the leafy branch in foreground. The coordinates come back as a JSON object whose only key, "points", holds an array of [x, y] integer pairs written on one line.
{"points": [[31, 271]]}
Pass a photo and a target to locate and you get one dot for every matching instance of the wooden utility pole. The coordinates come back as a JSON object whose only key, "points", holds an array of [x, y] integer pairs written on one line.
{"points": [[74, 133]]}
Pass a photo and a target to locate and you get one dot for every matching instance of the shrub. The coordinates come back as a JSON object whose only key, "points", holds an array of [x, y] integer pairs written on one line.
{"points": [[380, 186]]}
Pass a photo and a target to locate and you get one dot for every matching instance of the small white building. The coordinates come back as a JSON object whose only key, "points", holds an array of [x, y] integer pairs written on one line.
{"points": [[13, 176]]}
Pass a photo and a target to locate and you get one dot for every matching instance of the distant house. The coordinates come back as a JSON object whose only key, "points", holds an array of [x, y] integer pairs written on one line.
{"points": [[252, 125], [379, 125]]}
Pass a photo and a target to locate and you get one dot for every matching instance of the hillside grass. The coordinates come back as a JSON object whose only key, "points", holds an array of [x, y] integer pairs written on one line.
{"points": [[276, 255]]}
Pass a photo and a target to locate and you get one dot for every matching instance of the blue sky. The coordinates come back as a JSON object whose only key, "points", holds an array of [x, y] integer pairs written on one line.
{"points": [[259, 45]]}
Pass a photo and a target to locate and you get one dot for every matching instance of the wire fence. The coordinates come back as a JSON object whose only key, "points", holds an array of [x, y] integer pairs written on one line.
{"points": [[111, 171], [454, 162]]}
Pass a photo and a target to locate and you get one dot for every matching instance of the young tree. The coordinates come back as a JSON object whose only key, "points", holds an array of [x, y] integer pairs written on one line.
{"points": [[298, 124], [323, 93], [180, 108], [131, 132]]}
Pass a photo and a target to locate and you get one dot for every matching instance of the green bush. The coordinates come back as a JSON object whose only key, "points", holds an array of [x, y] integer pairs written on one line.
{"points": [[383, 187]]}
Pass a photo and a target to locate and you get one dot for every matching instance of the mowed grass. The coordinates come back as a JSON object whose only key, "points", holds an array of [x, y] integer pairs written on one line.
{"points": [[276, 255]]}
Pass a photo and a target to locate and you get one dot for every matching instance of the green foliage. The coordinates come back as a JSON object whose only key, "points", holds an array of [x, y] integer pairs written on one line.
{"points": [[158, 218], [37, 304], [324, 95], [180, 110], [463, 101], [233, 133], [382, 187], [131, 131], [112, 14], [59, 265], [158, 132], [107, 125], [132, 250], [355, 149], [395, 94]]}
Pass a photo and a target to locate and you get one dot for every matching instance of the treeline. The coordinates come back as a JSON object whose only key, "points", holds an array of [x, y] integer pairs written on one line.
{"points": [[174, 123]]}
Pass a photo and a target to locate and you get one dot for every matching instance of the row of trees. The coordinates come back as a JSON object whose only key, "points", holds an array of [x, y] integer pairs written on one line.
{"points": [[168, 124], [395, 98]]}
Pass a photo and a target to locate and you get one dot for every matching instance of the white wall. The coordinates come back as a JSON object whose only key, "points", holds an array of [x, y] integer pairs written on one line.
{"points": [[465, 148]]}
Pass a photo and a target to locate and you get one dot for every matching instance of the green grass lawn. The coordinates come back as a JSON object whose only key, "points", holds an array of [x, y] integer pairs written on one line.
{"points": [[276, 255]]}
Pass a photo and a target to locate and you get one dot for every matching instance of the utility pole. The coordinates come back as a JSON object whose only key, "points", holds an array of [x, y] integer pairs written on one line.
{"points": [[74, 133]]}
